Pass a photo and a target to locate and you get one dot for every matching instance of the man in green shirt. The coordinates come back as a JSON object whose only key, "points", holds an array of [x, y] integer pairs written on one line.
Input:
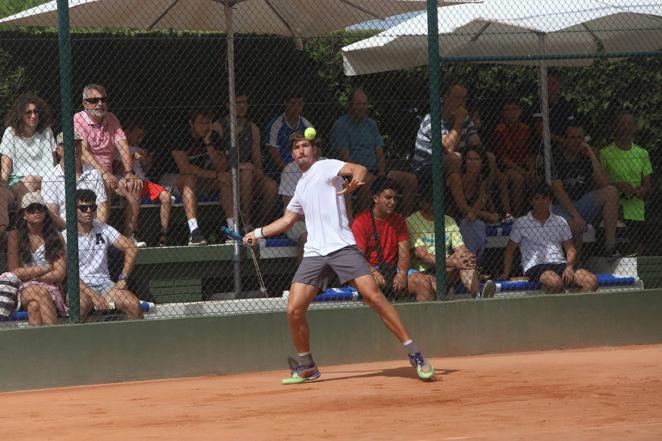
{"points": [[460, 262], [629, 169]]}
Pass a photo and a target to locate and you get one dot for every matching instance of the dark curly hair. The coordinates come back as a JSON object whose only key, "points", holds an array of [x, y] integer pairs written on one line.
{"points": [[53, 243], [484, 165], [14, 117]]}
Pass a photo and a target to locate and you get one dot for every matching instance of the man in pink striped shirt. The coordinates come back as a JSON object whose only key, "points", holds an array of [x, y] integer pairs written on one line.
{"points": [[102, 135]]}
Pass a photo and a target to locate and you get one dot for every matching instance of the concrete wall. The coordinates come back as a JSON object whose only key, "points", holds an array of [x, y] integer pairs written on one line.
{"points": [[121, 351]]}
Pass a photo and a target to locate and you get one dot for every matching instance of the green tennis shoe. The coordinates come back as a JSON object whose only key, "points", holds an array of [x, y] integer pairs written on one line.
{"points": [[300, 374], [424, 369]]}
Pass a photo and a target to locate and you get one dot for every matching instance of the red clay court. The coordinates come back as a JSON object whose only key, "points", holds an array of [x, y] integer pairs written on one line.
{"points": [[593, 394]]}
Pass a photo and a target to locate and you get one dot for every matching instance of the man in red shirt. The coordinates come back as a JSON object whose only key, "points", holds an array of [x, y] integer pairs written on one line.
{"points": [[383, 238], [515, 154]]}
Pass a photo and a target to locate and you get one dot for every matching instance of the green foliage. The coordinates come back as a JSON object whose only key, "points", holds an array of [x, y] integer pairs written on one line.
{"points": [[10, 7], [326, 51], [11, 80]]}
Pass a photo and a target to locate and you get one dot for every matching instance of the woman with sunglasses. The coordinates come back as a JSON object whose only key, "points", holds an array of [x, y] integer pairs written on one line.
{"points": [[26, 146], [36, 256]]}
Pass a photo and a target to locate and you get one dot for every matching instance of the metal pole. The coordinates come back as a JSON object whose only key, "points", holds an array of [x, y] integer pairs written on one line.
{"points": [[234, 162], [437, 162], [544, 109], [64, 45]]}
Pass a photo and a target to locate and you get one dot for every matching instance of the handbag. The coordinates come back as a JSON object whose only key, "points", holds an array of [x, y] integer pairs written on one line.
{"points": [[387, 270], [9, 285]]}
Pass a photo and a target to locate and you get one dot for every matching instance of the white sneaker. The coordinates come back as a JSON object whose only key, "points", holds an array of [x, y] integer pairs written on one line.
{"points": [[139, 243]]}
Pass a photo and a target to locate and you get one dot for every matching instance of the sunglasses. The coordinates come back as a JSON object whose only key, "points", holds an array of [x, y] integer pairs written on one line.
{"points": [[86, 208], [35, 208], [102, 99], [32, 112]]}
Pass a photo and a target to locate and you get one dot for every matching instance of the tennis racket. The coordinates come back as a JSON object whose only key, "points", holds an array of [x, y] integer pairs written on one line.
{"points": [[232, 234]]}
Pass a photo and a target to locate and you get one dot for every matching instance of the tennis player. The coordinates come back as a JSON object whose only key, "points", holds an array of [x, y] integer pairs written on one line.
{"points": [[330, 248]]}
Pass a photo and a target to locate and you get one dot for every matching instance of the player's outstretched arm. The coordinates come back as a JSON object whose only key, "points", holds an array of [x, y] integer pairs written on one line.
{"points": [[358, 174], [278, 226]]}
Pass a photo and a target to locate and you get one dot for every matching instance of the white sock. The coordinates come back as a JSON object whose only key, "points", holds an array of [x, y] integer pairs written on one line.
{"points": [[192, 224], [230, 222]]}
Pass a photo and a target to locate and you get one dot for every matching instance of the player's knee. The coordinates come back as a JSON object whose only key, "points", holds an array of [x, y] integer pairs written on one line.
{"points": [[295, 312]]}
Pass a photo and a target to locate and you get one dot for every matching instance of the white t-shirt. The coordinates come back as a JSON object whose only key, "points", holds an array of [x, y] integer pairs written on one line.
{"points": [[540, 243], [326, 215], [52, 187], [93, 253], [289, 178], [30, 156]]}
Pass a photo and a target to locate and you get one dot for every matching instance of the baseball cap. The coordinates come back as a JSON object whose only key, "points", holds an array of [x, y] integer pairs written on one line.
{"points": [[60, 138], [32, 198]]}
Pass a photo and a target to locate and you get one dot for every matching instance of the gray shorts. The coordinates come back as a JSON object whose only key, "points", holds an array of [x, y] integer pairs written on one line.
{"points": [[588, 207], [347, 263]]}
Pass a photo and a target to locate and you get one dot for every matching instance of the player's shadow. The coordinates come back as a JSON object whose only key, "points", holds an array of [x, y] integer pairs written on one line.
{"points": [[403, 372]]}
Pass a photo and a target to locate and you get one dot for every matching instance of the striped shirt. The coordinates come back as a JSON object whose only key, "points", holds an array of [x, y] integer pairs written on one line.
{"points": [[423, 152]]}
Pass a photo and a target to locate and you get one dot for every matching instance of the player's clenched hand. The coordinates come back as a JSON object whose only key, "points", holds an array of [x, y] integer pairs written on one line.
{"points": [[351, 186], [250, 239]]}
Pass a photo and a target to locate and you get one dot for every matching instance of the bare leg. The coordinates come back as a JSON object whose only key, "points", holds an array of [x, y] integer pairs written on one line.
{"points": [[586, 280], [165, 198], [608, 198], [422, 286], [551, 282], [297, 304], [187, 185], [86, 304], [225, 188], [470, 281], [40, 306], [131, 212], [126, 302], [373, 297]]}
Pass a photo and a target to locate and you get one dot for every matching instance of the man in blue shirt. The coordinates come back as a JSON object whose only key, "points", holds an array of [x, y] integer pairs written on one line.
{"points": [[356, 138], [277, 132]]}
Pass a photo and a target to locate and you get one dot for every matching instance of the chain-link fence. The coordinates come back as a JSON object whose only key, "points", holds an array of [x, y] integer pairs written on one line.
{"points": [[156, 168]]}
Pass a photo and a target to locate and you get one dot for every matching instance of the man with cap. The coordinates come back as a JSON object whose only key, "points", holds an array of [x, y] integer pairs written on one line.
{"points": [[52, 187]]}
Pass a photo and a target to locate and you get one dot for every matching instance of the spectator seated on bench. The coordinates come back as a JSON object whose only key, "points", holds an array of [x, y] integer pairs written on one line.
{"points": [[542, 238], [582, 190]]}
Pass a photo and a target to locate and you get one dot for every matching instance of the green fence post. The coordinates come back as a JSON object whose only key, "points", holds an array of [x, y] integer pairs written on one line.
{"points": [[64, 46], [437, 165]]}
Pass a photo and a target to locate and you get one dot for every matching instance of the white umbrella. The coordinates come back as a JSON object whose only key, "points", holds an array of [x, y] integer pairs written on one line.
{"points": [[296, 18], [566, 32]]}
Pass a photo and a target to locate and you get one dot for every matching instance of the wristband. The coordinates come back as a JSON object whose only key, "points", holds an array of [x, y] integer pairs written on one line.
{"points": [[258, 233]]}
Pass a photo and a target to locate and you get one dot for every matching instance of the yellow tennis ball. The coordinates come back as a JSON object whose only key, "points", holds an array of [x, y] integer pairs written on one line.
{"points": [[310, 133]]}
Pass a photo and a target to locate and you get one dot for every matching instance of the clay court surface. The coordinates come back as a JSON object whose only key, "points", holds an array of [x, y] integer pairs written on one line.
{"points": [[596, 394]]}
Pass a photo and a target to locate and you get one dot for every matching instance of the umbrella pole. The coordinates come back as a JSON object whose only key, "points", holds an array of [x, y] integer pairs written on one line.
{"points": [[544, 109], [234, 162]]}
